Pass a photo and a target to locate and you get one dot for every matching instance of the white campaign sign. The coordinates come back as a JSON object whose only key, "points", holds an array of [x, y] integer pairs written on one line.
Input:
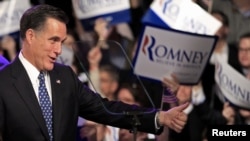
{"points": [[10, 14], [162, 52], [233, 85], [85, 9], [185, 15]]}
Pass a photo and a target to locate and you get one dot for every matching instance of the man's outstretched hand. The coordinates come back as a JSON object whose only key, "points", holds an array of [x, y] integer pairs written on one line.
{"points": [[174, 118]]}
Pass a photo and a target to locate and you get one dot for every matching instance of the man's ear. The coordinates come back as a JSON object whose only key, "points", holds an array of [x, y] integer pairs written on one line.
{"points": [[30, 35]]}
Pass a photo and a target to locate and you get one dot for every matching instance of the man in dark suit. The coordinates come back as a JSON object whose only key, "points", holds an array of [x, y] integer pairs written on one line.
{"points": [[22, 94]]}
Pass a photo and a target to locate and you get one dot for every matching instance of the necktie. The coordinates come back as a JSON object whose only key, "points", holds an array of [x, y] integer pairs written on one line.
{"points": [[45, 104]]}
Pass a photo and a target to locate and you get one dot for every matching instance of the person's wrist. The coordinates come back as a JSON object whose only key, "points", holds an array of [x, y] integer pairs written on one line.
{"points": [[159, 118]]}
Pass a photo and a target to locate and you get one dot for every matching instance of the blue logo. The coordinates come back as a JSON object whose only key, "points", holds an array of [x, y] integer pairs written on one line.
{"points": [[172, 10], [162, 52]]}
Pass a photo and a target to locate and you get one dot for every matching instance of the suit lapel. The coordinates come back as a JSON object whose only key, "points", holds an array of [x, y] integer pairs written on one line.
{"points": [[56, 87], [26, 91]]}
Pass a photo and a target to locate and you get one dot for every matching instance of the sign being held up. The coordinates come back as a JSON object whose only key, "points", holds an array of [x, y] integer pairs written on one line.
{"points": [[184, 15], [10, 14], [162, 52], [232, 85], [114, 11]]}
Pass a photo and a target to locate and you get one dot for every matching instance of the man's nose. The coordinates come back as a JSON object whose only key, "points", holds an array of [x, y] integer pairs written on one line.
{"points": [[58, 49]]}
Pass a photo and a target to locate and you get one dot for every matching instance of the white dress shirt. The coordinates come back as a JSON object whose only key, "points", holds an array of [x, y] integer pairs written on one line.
{"points": [[33, 73]]}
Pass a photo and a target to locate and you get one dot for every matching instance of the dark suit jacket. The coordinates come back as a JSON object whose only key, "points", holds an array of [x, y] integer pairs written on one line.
{"points": [[21, 117]]}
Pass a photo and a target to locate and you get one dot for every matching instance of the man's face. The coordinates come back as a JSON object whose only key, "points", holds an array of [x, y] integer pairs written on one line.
{"points": [[244, 52], [46, 44]]}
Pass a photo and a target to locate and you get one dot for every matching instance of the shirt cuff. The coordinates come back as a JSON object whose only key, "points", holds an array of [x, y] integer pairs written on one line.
{"points": [[157, 124], [188, 109]]}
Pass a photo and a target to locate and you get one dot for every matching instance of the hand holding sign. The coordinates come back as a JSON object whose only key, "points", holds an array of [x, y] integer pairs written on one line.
{"points": [[172, 83], [94, 57], [229, 113], [102, 28]]}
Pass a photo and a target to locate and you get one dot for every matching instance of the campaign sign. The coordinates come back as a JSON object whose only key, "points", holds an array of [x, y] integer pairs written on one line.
{"points": [[162, 52], [114, 11], [232, 85], [184, 15], [10, 14]]}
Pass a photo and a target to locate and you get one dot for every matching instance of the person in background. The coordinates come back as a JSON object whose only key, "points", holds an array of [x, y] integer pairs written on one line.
{"points": [[105, 80], [244, 60], [132, 94], [238, 13], [244, 54], [107, 84], [8, 47], [225, 52]]}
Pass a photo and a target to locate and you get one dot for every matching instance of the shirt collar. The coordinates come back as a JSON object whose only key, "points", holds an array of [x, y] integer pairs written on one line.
{"points": [[32, 71]]}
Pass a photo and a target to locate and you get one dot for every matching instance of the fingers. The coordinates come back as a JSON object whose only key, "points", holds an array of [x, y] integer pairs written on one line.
{"points": [[101, 28], [179, 122], [228, 109], [180, 119], [182, 107], [174, 118], [169, 82], [176, 127]]}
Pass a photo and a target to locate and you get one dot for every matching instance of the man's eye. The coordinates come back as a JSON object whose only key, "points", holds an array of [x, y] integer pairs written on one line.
{"points": [[53, 40]]}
